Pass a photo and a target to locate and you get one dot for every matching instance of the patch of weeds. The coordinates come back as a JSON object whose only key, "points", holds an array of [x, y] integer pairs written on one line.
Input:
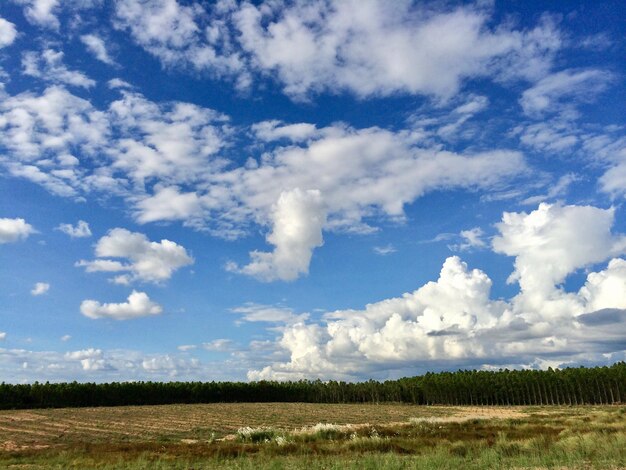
{"points": [[256, 435], [460, 449]]}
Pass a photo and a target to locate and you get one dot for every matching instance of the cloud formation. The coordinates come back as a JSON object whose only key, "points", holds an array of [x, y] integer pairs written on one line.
{"points": [[297, 222], [324, 46], [48, 65], [97, 47], [146, 261], [41, 12], [8, 33], [40, 288], [13, 230], [385, 48], [558, 90], [80, 230], [137, 305], [454, 321]]}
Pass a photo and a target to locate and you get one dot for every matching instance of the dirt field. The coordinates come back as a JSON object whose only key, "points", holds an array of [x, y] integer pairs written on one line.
{"points": [[55, 426], [96, 437]]}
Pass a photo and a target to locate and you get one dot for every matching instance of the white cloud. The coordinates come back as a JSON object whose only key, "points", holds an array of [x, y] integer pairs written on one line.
{"points": [[554, 136], [93, 365], [472, 238], [48, 65], [187, 347], [3, 335], [41, 12], [297, 219], [384, 250], [555, 240], [560, 89], [45, 13], [66, 338], [137, 305], [97, 47], [269, 131], [116, 83], [606, 289], [40, 288], [175, 142], [252, 312], [147, 261], [168, 203], [26, 366], [172, 32], [359, 173], [39, 134], [218, 345], [453, 322], [12, 230], [80, 230], [385, 48], [556, 190], [167, 161], [8, 33], [90, 353]]}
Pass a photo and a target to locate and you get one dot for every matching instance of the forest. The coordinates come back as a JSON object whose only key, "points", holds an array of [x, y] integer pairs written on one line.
{"points": [[569, 386]]}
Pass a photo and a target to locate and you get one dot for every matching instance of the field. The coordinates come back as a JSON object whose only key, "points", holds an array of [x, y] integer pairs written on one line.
{"points": [[314, 436]]}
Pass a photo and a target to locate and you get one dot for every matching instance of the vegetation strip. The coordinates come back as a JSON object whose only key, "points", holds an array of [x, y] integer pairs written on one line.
{"points": [[572, 386]]}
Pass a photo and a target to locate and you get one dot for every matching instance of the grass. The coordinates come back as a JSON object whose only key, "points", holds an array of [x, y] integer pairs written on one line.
{"points": [[277, 436]]}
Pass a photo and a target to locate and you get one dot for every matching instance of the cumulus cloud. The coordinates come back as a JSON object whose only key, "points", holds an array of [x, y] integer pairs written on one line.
{"points": [[454, 321], [606, 289], [8, 33], [12, 230], [174, 33], [167, 161], [90, 353], [40, 133], [178, 147], [3, 335], [40, 288], [554, 240], [309, 47], [174, 142], [48, 65], [80, 230], [137, 305], [97, 47], [168, 203], [386, 48], [41, 12], [20, 365], [145, 260], [297, 219]]}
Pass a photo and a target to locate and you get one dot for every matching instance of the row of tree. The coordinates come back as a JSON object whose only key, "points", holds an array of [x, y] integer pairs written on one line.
{"points": [[571, 386]]}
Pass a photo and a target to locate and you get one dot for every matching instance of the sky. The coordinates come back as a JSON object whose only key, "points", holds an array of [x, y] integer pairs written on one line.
{"points": [[331, 189]]}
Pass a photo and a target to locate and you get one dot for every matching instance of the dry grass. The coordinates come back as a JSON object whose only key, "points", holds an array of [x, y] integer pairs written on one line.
{"points": [[54, 426], [270, 433]]}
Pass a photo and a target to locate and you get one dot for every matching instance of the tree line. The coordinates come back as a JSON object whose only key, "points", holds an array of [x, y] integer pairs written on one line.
{"points": [[570, 386]]}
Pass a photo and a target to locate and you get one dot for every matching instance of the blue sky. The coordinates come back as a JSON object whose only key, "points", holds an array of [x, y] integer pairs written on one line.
{"points": [[331, 189]]}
